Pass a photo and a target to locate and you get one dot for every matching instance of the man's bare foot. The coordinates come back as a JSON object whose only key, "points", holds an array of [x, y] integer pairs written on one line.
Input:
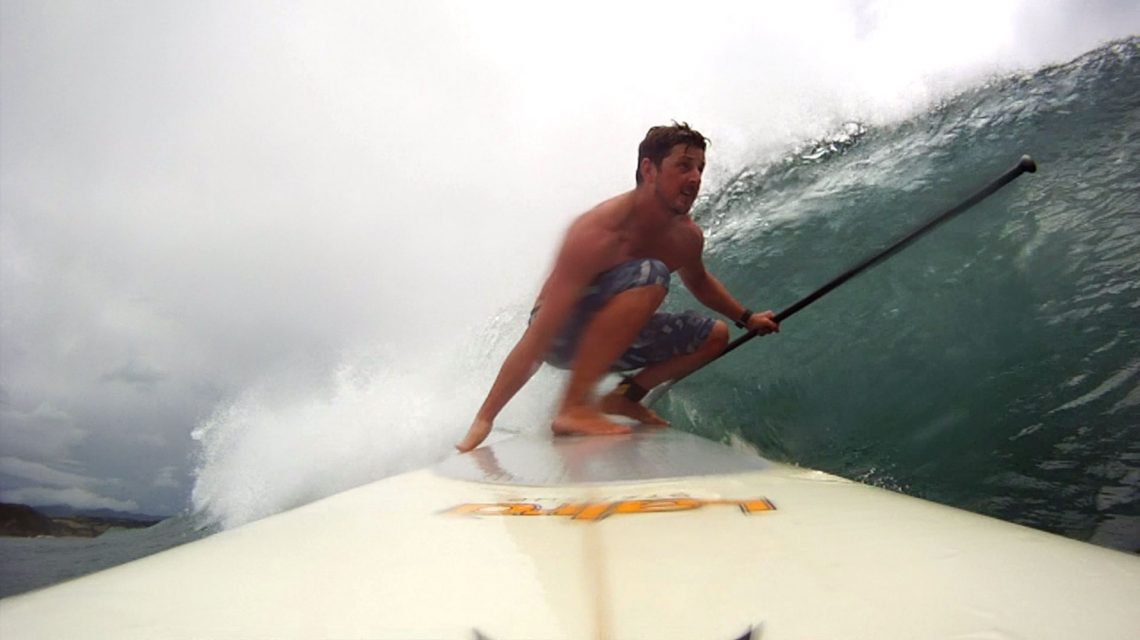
{"points": [[585, 421], [620, 405]]}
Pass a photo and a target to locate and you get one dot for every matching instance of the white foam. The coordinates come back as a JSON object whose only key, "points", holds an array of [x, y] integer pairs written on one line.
{"points": [[384, 410]]}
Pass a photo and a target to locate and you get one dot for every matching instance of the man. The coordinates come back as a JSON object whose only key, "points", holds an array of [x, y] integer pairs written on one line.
{"points": [[597, 311]]}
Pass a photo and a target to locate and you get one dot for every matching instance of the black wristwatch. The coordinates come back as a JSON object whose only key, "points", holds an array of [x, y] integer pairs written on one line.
{"points": [[744, 318]]}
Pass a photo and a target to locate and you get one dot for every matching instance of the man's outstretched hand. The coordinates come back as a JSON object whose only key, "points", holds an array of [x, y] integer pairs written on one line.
{"points": [[476, 434]]}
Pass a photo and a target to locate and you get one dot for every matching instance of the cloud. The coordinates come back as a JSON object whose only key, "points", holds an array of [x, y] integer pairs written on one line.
{"points": [[52, 486], [136, 374], [43, 474], [44, 432], [75, 497], [165, 478]]}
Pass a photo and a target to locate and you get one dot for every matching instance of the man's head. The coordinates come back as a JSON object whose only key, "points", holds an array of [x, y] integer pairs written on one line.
{"points": [[670, 163], [659, 141]]}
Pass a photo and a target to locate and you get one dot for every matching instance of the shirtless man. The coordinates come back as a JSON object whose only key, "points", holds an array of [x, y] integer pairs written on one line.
{"points": [[597, 311]]}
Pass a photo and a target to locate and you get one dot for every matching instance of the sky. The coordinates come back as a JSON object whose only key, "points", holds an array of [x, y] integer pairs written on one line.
{"points": [[203, 204]]}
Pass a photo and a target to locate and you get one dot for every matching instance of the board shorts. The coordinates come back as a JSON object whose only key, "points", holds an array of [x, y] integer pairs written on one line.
{"points": [[664, 337]]}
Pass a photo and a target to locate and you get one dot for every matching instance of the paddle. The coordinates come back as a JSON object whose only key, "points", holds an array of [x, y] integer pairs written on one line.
{"points": [[1025, 165]]}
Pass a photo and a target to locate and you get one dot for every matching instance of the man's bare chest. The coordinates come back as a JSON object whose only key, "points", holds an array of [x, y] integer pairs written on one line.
{"points": [[674, 250]]}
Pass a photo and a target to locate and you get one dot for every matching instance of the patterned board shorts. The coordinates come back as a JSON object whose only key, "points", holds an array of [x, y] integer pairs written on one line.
{"points": [[664, 337]]}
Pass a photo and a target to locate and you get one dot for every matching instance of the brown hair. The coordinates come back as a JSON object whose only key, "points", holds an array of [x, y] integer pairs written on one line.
{"points": [[659, 141]]}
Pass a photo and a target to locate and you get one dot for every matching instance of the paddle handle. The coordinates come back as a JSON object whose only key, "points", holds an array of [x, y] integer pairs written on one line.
{"points": [[1025, 165]]}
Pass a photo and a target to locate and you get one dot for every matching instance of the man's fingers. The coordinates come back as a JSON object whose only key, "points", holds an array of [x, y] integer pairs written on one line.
{"points": [[770, 320], [475, 436], [765, 324], [768, 327]]}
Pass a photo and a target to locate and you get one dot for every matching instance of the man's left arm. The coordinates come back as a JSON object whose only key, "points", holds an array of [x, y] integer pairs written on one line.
{"points": [[707, 289]]}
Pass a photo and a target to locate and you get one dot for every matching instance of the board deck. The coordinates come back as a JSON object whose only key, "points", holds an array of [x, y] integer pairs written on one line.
{"points": [[658, 534], [647, 454]]}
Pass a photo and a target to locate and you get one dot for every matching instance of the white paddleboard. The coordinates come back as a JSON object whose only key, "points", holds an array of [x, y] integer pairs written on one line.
{"points": [[658, 534]]}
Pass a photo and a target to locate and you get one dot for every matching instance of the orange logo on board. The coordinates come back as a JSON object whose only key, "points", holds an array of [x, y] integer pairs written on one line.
{"points": [[593, 511]]}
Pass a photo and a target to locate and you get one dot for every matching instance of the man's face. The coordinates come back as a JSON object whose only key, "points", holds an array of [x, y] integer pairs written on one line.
{"points": [[678, 181]]}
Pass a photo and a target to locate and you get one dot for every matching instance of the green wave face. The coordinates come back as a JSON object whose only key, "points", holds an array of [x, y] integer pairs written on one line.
{"points": [[993, 365]]}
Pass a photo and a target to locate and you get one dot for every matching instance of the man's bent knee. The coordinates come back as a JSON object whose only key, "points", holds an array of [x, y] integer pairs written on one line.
{"points": [[717, 339], [641, 277], [653, 291]]}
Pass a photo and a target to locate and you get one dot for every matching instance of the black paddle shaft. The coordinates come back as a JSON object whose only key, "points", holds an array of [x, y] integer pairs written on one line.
{"points": [[1025, 165]]}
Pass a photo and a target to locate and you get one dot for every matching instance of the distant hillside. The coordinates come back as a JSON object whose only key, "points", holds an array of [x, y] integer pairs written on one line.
{"points": [[67, 511], [20, 520]]}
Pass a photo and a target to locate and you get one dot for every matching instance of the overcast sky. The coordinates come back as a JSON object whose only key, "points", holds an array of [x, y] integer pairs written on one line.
{"points": [[202, 198]]}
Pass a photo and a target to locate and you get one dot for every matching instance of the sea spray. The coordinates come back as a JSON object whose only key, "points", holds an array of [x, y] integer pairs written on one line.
{"points": [[382, 411]]}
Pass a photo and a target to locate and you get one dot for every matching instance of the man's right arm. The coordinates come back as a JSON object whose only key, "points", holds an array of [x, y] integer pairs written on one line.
{"points": [[521, 363], [572, 273]]}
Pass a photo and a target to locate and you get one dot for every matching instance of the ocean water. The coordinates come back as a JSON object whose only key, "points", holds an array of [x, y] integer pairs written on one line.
{"points": [[32, 563], [993, 366]]}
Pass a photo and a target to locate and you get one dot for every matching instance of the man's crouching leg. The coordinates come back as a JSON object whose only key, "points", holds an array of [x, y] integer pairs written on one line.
{"points": [[603, 341], [625, 400]]}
